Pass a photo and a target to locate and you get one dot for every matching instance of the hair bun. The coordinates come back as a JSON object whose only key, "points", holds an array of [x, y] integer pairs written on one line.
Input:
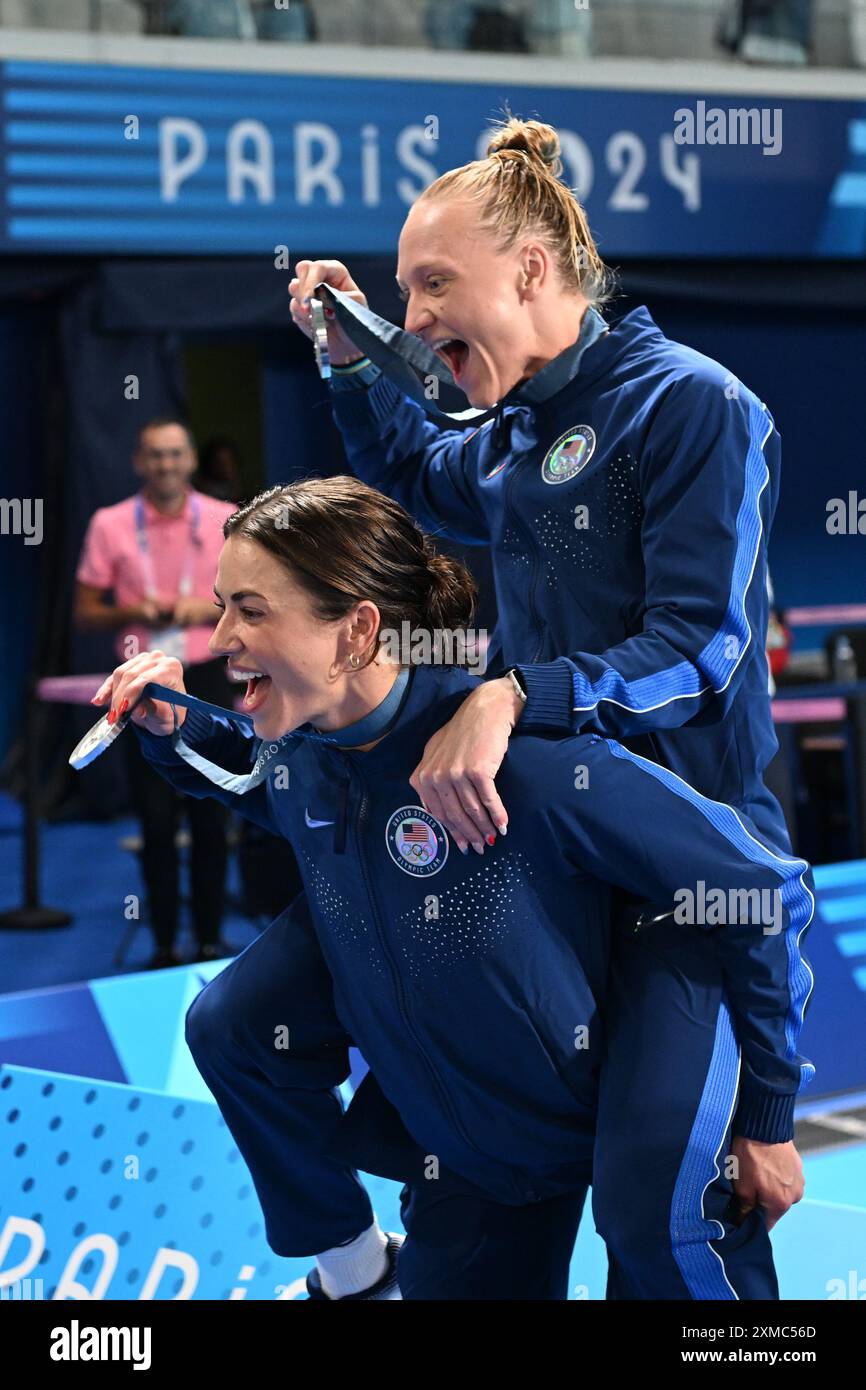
{"points": [[452, 593], [533, 138]]}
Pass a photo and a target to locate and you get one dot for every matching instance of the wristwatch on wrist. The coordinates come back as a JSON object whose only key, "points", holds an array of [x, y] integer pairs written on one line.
{"points": [[517, 682]]}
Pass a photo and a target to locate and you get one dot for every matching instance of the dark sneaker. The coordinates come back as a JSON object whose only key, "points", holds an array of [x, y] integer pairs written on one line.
{"points": [[385, 1290], [214, 950], [163, 960]]}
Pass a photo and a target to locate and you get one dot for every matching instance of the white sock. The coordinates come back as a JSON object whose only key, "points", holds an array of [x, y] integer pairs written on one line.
{"points": [[351, 1268]]}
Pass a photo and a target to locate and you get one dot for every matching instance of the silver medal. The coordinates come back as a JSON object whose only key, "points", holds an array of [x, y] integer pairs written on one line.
{"points": [[96, 740], [320, 338]]}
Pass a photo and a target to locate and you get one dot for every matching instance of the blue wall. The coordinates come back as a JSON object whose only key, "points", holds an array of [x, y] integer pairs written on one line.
{"points": [[22, 401], [810, 369]]}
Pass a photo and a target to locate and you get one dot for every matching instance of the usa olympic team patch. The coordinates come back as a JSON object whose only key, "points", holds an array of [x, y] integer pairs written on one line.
{"points": [[571, 452], [416, 841]]}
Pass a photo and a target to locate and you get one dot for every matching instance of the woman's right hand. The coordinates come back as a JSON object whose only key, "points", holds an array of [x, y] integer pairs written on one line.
{"points": [[309, 274], [123, 689]]}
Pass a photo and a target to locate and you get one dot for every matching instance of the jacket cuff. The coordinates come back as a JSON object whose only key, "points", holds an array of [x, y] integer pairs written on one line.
{"points": [[354, 377], [549, 696], [767, 1116], [358, 408], [195, 729]]}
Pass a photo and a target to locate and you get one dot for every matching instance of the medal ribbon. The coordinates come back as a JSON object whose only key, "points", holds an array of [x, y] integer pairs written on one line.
{"points": [[374, 725]]}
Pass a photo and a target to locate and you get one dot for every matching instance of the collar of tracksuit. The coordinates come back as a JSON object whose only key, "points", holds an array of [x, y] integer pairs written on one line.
{"points": [[419, 714], [430, 697], [585, 362], [553, 377], [564, 367]]}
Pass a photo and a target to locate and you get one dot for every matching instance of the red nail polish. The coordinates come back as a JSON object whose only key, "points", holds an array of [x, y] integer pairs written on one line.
{"points": [[112, 715], [491, 839], [124, 707]]}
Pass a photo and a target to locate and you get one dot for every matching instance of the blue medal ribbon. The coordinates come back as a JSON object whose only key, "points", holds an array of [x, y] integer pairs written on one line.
{"points": [[373, 726], [408, 361]]}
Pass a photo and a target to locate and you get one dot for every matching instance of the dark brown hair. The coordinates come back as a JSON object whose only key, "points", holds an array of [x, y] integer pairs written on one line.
{"points": [[159, 422], [343, 541], [519, 193]]}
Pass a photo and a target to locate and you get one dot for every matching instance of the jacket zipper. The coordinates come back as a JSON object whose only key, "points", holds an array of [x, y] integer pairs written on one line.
{"points": [[397, 982], [340, 828], [533, 611]]}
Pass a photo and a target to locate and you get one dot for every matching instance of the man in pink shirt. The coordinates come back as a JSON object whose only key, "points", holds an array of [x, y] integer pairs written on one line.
{"points": [[158, 552]]}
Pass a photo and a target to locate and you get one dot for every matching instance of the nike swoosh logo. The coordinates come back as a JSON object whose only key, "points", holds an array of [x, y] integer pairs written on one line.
{"points": [[315, 824]]}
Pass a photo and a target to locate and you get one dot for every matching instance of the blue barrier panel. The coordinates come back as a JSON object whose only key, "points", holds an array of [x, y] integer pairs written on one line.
{"points": [[111, 1191], [120, 1180]]}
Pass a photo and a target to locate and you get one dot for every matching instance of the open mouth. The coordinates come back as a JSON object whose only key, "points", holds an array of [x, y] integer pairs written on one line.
{"points": [[258, 687], [453, 351]]}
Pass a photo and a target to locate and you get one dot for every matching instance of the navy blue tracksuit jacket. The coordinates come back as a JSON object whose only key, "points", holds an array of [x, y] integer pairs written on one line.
{"points": [[475, 986], [626, 493]]}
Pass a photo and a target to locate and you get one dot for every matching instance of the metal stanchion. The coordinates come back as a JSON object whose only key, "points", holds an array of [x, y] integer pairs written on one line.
{"points": [[853, 696], [31, 915], [857, 725]]}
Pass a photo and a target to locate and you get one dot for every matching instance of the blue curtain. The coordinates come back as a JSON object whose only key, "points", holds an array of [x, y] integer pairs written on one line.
{"points": [[23, 340], [797, 337]]}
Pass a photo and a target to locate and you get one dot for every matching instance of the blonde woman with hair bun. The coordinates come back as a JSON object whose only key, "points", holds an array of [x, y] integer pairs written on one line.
{"points": [[625, 485]]}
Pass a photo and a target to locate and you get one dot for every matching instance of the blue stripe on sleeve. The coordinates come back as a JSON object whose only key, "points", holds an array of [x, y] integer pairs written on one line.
{"points": [[726, 648], [796, 898]]}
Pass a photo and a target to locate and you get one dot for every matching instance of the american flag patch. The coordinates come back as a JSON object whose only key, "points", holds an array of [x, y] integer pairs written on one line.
{"points": [[414, 830]]}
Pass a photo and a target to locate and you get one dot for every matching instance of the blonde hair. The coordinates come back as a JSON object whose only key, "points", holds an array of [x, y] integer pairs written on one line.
{"points": [[520, 193]]}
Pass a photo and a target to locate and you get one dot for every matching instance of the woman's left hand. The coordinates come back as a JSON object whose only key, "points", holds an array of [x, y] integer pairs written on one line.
{"points": [[768, 1176], [455, 777]]}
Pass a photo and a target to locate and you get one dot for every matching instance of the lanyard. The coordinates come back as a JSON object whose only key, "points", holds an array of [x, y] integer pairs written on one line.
{"points": [[374, 725], [220, 776], [194, 542]]}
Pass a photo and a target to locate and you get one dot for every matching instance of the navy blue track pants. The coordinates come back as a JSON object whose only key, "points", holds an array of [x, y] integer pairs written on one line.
{"points": [[660, 1198]]}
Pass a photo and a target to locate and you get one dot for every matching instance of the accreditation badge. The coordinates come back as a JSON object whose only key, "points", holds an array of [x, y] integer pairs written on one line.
{"points": [[172, 641]]}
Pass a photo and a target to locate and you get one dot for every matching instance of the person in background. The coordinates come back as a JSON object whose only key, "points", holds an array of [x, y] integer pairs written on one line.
{"points": [[294, 21], [219, 468], [559, 28], [490, 28], [210, 19], [778, 639], [769, 31], [157, 551], [556, 27], [777, 774]]}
